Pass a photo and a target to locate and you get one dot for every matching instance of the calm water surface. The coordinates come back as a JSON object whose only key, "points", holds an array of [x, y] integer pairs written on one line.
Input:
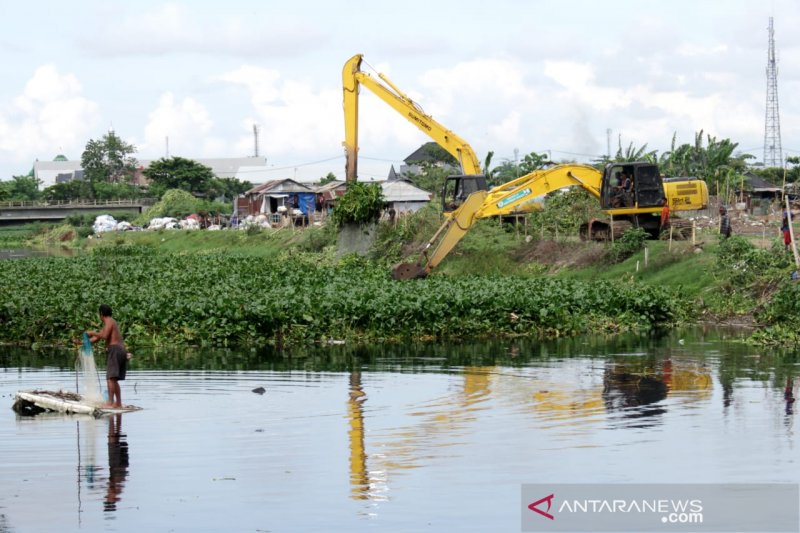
{"points": [[399, 438]]}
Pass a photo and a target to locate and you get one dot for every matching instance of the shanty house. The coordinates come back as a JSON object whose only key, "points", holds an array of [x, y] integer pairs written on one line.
{"points": [[328, 193], [758, 194], [276, 197]]}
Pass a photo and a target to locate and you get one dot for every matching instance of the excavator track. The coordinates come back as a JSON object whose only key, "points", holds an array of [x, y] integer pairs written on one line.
{"points": [[600, 230]]}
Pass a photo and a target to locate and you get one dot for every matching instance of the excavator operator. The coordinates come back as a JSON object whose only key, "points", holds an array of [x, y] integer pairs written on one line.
{"points": [[622, 192]]}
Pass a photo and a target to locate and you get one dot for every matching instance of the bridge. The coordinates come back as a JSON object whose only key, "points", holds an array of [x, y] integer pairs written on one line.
{"points": [[19, 212]]}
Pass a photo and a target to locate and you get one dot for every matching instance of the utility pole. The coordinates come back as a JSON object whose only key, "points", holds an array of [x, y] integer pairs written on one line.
{"points": [[773, 154], [608, 142]]}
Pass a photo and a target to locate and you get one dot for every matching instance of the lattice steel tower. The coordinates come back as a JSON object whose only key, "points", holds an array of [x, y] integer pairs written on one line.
{"points": [[773, 155]]}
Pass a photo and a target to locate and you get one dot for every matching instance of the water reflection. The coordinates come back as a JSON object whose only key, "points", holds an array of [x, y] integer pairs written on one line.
{"points": [[118, 461], [359, 480], [436, 424], [407, 436], [634, 394]]}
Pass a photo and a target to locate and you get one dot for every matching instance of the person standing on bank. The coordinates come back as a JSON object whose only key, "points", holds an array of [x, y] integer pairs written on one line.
{"points": [[664, 225], [117, 360], [724, 222], [787, 235]]}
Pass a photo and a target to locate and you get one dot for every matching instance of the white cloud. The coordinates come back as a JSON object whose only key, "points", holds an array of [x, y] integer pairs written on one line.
{"points": [[177, 28], [188, 125], [578, 80], [694, 50], [51, 114], [507, 131]]}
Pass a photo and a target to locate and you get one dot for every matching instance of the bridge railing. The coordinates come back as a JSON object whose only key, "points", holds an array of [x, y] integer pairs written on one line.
{"points": [[81, 203]]}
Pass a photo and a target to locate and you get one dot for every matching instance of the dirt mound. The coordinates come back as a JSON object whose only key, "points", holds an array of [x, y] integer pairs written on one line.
{"points": [[561, 254]]}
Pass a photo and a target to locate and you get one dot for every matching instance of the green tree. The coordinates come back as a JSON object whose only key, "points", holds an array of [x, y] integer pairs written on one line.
{"points": [[180, 173], [509, 170], [506, 171], [714, 161], [533, 161], [115, 191], [431, 177], [68, 190], [174, 203], [22, 189], [226, 188], [440, 155], [630, 154], [108, 160], [327, 179]]}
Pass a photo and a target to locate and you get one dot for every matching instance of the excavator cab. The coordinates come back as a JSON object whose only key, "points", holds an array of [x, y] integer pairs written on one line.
{"points": [[631, 185], [458, 188]]}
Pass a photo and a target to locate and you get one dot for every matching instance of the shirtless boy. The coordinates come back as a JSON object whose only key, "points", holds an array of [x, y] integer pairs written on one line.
{"points": [[117, 361]]}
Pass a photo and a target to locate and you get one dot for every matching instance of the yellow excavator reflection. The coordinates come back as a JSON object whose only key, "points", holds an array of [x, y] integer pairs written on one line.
{"points": [[634, 388], [449, 416]]}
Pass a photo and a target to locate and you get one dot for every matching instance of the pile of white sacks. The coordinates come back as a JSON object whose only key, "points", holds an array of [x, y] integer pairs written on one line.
{"points": [[105, 223]]}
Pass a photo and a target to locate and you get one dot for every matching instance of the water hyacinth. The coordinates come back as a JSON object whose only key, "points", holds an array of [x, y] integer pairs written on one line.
{"points": [[215, 299]]}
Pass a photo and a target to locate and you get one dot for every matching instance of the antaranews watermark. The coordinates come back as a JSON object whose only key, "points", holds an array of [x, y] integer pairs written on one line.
{"points": [[734, 508]]}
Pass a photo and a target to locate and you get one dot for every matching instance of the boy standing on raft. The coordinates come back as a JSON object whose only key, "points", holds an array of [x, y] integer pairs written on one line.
{"points": [[117, 361]]}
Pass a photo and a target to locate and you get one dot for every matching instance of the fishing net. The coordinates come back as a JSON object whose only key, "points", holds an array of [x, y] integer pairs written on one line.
{"points": [[88, 379]]}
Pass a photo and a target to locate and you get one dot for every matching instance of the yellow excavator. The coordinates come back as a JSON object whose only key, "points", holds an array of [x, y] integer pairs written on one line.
{"points": [[632, 194], [353, 78], [638, 204]]}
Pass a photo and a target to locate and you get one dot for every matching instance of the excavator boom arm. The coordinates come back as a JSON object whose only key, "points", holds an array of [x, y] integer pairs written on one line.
{"points": [[502, 200], [353, 78]]}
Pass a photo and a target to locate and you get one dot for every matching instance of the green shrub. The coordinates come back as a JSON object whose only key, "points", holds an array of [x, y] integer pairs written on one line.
{"points": [[175, 203], [742, 264], [628, 244], [362, 203]]}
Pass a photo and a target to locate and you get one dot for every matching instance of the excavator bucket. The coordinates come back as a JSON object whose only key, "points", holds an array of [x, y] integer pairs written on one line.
{"points": [[404, 271]]}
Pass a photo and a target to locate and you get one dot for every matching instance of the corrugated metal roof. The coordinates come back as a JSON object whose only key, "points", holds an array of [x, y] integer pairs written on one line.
{"points": [[403, 191], [331, 185], [278, 186]]}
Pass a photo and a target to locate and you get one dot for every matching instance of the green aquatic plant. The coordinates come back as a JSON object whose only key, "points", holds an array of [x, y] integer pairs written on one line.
{"points": [[217, 299]]}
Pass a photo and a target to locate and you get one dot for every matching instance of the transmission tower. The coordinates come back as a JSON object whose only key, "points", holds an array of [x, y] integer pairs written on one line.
{"points": [[773, 155]]}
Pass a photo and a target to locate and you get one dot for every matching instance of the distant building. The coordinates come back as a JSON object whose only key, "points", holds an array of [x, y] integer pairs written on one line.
{"points": [[61, 170], [414, 162]]}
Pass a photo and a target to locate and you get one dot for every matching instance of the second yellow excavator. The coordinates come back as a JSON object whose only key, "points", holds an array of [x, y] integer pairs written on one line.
{"points": [[632, 194]]}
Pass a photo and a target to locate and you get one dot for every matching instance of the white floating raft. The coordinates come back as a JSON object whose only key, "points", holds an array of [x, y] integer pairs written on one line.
{"points": [[37, 401]]}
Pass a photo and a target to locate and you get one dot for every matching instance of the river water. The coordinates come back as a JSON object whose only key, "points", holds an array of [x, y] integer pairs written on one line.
{"points": [[391, 438]]}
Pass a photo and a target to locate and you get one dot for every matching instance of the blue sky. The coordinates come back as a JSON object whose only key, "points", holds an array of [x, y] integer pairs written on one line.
{"points": [[519, 75]]}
